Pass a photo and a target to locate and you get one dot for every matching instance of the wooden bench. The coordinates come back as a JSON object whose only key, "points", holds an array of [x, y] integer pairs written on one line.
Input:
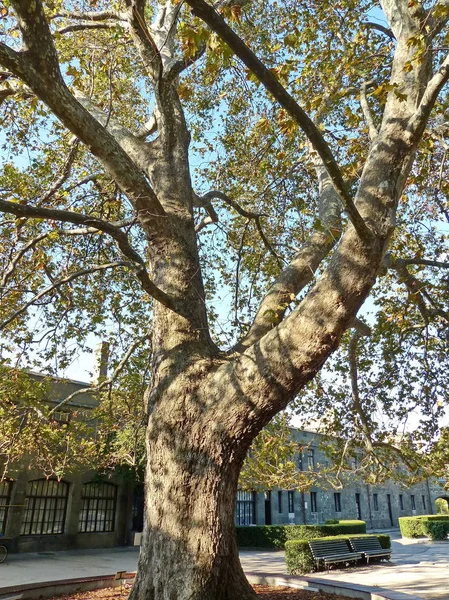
{"points": [[332, 552], [370, 548]]}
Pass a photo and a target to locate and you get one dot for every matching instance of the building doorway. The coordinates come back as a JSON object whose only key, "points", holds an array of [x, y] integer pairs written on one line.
{"points": [[137, 514], [267, 508], [442, 505], [390, 512], [359, 508]]}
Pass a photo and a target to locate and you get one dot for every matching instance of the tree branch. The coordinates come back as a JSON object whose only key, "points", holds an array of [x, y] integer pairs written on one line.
{"points": [[404, 17], [357, 405], [58, 283], [419, 119], [301, 270], [381, 28], [83, 25], [372, 130], [205, 201], [104, 15], [136, 148], [13, 88], [425, 262], [39, 69], [147, 129], [106, 382], [144, 42], [65, 172], [437, 23], [208, 14], [120, 237], [33, 242], [417, 290], [176, 68], [298, 273], [17, 257]]}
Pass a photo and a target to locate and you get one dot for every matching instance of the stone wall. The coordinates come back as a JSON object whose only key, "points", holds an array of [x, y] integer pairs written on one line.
{"points": [[378, 505]]}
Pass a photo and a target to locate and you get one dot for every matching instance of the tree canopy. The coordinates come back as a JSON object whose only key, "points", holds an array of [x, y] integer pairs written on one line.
{"points": [[223, 187]]}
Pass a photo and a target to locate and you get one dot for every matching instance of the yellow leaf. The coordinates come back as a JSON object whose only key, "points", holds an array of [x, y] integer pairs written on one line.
{"points": [[236, 11]]}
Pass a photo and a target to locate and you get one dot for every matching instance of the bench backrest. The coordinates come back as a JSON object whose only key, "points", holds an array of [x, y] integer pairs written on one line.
{"points": [[328, 547], [361, 544]]}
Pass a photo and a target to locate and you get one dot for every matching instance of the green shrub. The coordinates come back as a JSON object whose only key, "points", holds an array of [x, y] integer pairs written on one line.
{"points": [[332, 522], [261, 536], [424, 525], [410, 527], [299, 559], [275, 536], [436, 530], [345, 527]]}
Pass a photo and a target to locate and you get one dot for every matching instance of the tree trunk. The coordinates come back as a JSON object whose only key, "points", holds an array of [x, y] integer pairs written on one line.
{"points": [[189, 549]]}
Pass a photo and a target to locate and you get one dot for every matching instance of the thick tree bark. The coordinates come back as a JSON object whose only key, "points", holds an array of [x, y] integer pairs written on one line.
{"points": [[189, 549]]}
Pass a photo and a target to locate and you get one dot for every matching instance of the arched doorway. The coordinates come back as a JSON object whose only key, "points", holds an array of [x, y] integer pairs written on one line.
{"points": [[442, 505]]}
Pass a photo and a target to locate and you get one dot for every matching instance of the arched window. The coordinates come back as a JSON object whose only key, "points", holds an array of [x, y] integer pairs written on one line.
{"points": [[46, 507], [98, 503], [5, 500]]}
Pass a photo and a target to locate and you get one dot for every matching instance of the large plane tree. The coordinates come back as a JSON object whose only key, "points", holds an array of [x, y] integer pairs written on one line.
{"points": [[165, 165]]}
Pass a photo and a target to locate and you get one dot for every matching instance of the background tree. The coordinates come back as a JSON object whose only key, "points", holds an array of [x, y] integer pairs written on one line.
{"points": [[107, 106], [31, 436]]}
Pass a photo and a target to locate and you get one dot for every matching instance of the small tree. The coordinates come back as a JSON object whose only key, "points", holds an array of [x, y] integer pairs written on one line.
{"points": [[30, 435]]}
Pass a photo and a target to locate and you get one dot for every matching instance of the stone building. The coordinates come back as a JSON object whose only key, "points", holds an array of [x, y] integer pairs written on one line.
{"points": [[84, 510], [378, 505], [80, 511]]}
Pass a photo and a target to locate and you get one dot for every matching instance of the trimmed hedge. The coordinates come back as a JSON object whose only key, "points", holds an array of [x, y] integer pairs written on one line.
{"points": [[299, 559], [275, 536], [435, 527]]}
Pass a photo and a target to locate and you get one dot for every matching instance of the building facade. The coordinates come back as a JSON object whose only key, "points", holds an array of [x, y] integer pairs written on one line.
{"points": [[84, 510], [379, 505]]}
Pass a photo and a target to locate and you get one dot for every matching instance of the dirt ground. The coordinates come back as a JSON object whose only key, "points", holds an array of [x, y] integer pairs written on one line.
{"points": [[264, 592]]}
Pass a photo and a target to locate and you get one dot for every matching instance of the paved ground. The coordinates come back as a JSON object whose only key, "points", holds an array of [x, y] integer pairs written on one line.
{"points": [[417, 567]]}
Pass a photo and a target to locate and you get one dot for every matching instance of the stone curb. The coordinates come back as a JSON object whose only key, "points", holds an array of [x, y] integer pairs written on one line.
{"points": [[343, 588], [46, 589]]}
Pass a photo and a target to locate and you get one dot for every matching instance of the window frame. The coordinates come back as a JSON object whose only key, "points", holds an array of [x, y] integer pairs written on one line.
{"points": [[413, 501], [291, 501], [43, 508], [98, 504], [313, 502], [280, 498], [337, 502], [5, 501], [376, 502], [245, 508], [311, 459], [401, 501]]}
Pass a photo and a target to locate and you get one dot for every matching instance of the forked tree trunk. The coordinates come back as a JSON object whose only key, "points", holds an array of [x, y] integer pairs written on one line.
{"points": [[189, 549]]}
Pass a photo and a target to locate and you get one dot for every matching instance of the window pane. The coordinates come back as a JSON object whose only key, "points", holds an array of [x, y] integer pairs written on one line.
{"points": [[245, 508], [45, 507], [98, 505], [5, 500]]}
